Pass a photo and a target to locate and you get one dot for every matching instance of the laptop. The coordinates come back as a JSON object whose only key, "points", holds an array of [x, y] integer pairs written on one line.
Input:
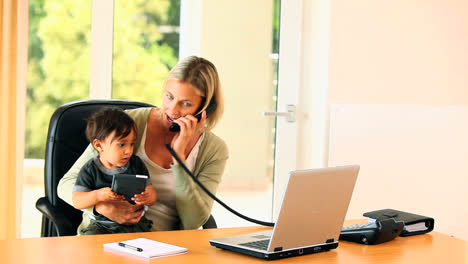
{"points": [[312, 213]]}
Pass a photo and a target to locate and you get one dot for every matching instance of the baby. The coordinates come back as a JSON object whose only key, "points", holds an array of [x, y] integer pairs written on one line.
{"points": [[113, 134]]}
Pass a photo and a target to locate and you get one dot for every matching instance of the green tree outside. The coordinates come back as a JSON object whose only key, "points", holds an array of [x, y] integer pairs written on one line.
{"points": [[59, 57]]}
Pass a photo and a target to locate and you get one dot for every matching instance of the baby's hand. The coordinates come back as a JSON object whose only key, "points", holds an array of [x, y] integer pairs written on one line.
{"points": [[148, 197], [106, 194]]}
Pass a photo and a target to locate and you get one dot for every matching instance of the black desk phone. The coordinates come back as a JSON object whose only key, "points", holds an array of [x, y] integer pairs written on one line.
{"points": [[372, 233]]}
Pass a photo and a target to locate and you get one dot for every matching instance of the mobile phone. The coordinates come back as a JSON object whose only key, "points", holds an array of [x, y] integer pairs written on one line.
{"points": [[210, 109]]}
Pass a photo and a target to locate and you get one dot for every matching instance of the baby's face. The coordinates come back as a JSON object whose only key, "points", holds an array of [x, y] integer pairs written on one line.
{"points": [[115, 153]]}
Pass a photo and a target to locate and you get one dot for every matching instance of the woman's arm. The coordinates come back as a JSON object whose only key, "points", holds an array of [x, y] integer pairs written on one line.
{"points": [[65, 185], [121, 212], [193, 204]]}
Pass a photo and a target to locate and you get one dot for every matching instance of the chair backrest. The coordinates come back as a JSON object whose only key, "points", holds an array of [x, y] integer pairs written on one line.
{"points": [[66, 141]]}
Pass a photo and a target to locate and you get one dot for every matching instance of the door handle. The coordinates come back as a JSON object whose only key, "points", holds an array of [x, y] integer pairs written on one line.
{"points": [[290, 114]]}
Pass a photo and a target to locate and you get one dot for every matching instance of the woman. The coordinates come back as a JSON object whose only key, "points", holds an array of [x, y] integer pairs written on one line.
{"points": [[189, 88]]}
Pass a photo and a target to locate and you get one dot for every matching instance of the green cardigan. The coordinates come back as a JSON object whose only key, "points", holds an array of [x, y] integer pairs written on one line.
{"points": [[192, 203]]}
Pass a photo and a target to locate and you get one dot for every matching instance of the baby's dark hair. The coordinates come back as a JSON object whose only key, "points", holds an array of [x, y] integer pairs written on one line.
{"points": [[102, 123]]}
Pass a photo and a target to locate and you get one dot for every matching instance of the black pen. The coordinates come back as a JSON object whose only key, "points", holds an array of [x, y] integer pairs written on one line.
{"points": [[130, 247]]}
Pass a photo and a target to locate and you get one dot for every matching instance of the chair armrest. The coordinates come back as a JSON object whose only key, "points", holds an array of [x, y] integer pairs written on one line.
{"points": [[210, 223], [62, 224]]}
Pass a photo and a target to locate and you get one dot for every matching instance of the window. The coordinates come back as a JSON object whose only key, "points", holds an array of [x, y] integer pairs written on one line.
{"points": [[58, 72], [146, 45]]}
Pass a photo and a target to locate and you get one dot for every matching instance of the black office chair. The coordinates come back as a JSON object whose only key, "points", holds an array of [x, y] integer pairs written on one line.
{"points": [[66, 141]]}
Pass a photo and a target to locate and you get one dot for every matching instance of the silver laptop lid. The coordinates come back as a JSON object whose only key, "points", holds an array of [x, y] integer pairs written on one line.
{"points": [[314, 207]]}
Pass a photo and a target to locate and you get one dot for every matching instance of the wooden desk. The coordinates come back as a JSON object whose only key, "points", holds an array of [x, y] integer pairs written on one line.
{"points": [[429, 248]]}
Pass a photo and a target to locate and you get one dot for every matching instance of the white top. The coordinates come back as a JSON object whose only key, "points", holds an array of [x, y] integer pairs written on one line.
{"points": [[164, 212]]}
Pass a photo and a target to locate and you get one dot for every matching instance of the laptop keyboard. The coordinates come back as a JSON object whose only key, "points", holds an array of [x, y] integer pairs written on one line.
{"points": [[260, 244]]}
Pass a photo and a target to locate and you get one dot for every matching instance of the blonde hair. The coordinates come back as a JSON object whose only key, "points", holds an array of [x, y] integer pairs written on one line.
{"points": [[203, 77]]}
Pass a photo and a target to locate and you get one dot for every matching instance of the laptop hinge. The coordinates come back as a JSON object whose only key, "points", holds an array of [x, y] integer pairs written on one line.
{"points": [[331, 240], [278, 249]]}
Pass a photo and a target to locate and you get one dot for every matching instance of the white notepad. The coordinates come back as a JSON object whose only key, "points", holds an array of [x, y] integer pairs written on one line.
{"points": [[146, 248]]}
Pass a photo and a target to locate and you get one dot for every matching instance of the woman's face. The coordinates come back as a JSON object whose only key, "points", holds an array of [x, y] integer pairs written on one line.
{"points": [[179, 99]]}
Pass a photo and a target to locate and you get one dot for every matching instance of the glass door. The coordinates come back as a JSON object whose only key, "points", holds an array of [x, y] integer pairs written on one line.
{"points": [[259, 60], [242, 39]]}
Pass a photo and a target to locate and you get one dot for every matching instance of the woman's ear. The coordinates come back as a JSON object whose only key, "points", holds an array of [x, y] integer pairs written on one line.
{"points": [[97, 144]]}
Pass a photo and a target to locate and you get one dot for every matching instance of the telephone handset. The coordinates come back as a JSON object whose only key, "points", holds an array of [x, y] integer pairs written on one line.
{"points": [[210, 109]]}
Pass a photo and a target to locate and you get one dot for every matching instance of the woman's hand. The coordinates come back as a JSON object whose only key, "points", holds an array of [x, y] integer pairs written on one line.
{"points": [[121, 212], [189, 126]]}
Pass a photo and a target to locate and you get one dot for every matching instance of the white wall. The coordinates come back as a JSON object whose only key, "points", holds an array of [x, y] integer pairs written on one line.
{"points": [[384, 52], [413, 158], [400, 51]]}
